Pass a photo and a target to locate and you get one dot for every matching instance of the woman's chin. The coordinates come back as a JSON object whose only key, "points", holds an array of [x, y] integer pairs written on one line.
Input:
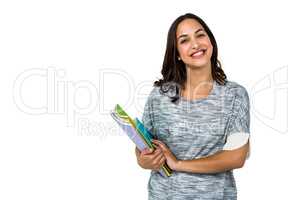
{"points": [[200, 64]]}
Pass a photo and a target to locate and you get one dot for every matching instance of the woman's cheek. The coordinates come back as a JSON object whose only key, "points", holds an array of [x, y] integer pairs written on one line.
{"points": [[185, 51]]}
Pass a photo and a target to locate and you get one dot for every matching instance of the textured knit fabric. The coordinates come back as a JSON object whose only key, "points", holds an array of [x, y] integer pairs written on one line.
{"points": [[194, 129]]}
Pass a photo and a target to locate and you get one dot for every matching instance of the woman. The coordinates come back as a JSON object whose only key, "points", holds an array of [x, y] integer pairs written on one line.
{"points": [[200, 119]]}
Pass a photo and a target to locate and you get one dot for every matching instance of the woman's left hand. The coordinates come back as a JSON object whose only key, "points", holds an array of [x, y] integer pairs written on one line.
{"points": [[171, 159]]}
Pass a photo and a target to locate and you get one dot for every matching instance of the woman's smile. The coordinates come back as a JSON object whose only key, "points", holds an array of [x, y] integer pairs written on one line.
{"points": [[198, 54]]}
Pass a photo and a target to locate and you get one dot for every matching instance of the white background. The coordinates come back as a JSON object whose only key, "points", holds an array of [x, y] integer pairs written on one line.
{"points": [[57, 140]]}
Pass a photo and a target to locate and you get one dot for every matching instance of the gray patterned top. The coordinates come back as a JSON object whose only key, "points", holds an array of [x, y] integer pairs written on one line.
{"points": [[194, 129]]}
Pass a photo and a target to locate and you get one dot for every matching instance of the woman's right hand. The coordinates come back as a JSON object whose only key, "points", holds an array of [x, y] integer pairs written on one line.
{"points": [[149, 159]]}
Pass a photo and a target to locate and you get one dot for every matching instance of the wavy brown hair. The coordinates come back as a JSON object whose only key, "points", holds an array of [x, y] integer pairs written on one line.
{"points": [[174, 70]]}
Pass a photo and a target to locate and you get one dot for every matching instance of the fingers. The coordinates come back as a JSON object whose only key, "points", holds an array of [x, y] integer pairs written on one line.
{"points": [[157, 142], [157, 158], [153, 157], [150, 158], [158, 161], [162, 161], [137, 151], [150, 154], [160, 144], [147, 151]]}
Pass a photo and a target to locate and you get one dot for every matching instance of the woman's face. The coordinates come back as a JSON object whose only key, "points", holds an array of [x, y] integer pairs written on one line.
{"points": [[193, 44]]}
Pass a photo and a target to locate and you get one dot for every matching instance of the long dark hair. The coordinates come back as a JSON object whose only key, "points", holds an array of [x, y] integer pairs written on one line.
{"points": [[174, 71]]}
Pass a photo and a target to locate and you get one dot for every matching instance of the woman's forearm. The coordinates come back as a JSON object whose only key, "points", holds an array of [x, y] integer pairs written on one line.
{"points": [[219, 162]]}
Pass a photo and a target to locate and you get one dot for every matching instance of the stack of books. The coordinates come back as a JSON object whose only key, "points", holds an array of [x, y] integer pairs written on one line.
{"points": [[138, 133]]}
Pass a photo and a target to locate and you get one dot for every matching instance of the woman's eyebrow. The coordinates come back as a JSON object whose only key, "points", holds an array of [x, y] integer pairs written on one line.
{"points": [[185, 35], [200, 29], [181, 36]]}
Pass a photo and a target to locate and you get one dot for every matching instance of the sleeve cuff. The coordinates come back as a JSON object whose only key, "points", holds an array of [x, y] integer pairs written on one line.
{"points": [[236, 140]]}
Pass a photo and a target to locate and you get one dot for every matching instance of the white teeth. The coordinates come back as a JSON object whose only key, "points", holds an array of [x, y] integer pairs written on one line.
{"points": [[199, 53]]}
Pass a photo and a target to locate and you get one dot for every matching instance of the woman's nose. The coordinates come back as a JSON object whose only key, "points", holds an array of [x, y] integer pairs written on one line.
{"points": [[195, 45]]}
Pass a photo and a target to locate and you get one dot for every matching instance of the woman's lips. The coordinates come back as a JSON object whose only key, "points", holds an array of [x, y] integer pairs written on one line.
{"points": [[198, 54]]}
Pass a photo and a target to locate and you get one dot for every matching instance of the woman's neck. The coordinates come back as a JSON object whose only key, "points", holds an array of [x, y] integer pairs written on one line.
{"points": [[198, 78]]}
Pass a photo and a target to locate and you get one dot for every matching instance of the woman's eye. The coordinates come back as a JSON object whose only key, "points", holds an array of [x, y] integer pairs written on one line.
{"points": [[201, 35], [182, 41]]}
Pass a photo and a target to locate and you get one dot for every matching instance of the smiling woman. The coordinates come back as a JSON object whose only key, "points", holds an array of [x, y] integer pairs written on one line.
{"points": [[190, 44], [201, 121]]}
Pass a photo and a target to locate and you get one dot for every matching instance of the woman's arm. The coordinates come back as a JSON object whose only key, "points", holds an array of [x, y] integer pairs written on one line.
{"points": [[219, 162]]}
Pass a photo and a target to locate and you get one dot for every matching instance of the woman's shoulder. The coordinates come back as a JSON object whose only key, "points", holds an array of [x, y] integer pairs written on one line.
{"points": [[235, 89], [233, 86], [154, 93], [159, 94]]}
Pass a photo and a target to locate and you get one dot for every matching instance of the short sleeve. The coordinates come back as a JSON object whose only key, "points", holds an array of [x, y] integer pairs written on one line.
{"points": [[238, 129]]}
